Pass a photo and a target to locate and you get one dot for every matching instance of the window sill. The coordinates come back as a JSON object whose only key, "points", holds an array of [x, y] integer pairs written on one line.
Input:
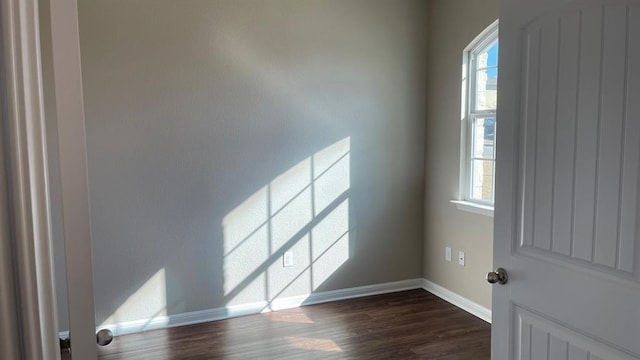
{"points": [[473, 207]]}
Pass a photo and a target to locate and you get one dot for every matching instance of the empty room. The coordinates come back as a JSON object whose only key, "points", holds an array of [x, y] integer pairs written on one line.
{"points": [[312, 179]]}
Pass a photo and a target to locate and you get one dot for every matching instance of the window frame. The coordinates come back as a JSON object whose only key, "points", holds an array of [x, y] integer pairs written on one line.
{"points": [[468, 116]]}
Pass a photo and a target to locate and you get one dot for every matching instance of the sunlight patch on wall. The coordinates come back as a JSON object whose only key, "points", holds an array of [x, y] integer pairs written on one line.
{"points": [[330, 243], [148, 302], [304, 212], [291, 204], [331, 174], [246, 247]]}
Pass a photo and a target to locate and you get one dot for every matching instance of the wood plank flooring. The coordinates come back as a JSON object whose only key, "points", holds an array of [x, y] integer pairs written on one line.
{"points": [[405, 325]]}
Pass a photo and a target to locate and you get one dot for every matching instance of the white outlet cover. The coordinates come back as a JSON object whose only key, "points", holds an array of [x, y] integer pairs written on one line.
{"points": [[447, 253], [287, 259], [461, 258]]}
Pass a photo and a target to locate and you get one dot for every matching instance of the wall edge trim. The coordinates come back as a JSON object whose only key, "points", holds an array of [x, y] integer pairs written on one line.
{"points": [[458, 300], [231, 311]]}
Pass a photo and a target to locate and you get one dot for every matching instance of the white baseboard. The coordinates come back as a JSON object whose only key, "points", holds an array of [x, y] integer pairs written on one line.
{"points": [[458, 300], [221, 313], [226, 312], [350, 293]]}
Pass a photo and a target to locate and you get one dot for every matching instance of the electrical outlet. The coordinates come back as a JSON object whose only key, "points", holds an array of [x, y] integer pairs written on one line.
{"points": [[447, 254], [461, 258], [287, 259]]}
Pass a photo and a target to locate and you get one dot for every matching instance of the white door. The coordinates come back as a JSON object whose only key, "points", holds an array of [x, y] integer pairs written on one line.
{"points": [[567, 217]]}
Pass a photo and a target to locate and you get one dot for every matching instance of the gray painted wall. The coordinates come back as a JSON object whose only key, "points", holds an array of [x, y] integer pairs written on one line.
{"points": [[452, 25], [201, 115]]}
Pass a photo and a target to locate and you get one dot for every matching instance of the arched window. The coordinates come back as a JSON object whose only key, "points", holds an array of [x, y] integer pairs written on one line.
{"points": [[479, 101]]}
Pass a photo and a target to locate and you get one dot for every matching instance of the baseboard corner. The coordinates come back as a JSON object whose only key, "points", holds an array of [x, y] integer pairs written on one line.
{"points": [[458, 300]]}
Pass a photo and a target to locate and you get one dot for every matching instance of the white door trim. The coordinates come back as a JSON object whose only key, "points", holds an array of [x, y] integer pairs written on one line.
{"points": [[27, 183], [73, 173]]}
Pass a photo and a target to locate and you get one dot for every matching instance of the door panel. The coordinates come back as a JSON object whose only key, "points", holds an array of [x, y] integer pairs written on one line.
{"points": [[581, 142], [568, 233], [541, 338]]}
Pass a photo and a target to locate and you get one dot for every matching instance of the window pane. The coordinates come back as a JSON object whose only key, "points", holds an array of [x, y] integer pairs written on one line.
{"points": [[484, 137], [488, 57], [482, 180], [479, 106], [486, 89]]}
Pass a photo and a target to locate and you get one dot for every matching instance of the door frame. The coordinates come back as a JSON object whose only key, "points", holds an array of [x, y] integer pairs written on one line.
{"points": [[26, 160], [69, 102], [26, 239]]}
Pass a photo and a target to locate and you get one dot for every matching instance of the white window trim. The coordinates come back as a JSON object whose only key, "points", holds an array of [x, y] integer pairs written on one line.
{"points": [[463, 202], [472, 207]]}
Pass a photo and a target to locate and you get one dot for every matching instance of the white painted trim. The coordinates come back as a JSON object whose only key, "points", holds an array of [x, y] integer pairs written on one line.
{"points": [[227, 312], [26, 162], [473, 207], [72, 151], [464, 183], [483, 37], [221, 313], [458, 300]]}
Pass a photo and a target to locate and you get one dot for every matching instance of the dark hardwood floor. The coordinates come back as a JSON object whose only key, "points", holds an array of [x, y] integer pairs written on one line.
{"points": [[405, 325]]}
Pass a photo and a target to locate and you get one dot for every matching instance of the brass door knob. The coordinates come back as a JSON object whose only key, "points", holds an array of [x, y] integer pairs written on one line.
{"points": [[499, 276]]}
